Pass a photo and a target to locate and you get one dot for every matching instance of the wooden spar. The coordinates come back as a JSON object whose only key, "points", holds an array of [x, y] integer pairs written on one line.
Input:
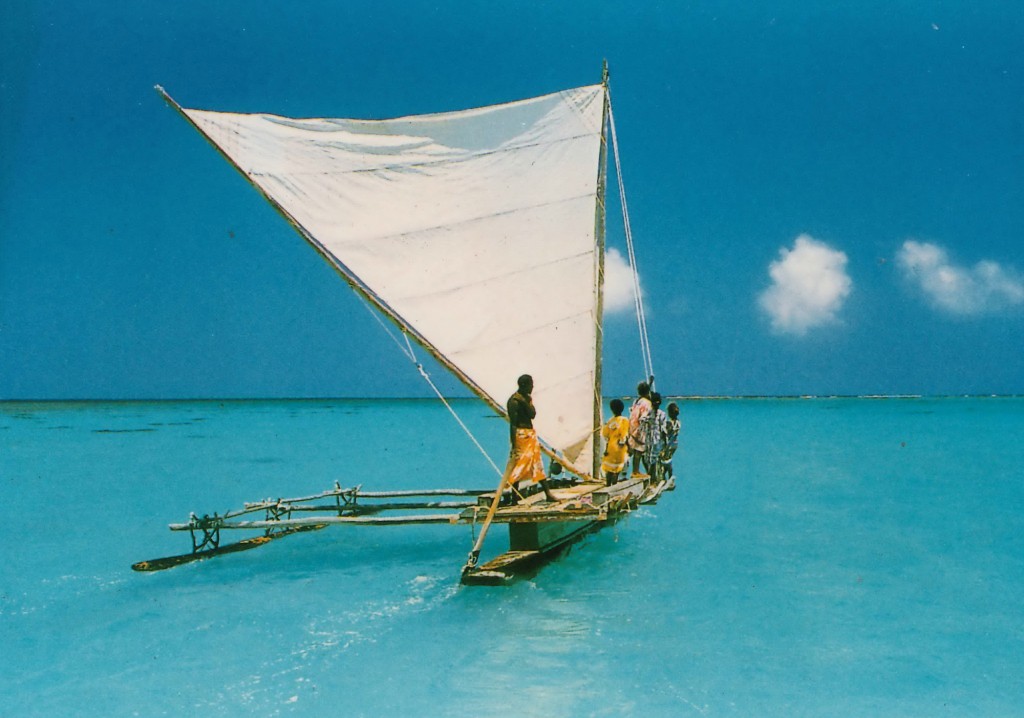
{"points": [[350, 497], [377, 508], [426, 492], [324, 520], [539, 515], [474, 554], [599, 238], [350, 278]]}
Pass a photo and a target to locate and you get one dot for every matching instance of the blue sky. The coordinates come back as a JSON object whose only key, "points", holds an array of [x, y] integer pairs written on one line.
{"points": [[826, 198]]}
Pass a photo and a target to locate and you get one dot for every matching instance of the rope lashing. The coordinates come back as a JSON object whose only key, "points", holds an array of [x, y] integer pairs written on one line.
{"points": [[407, 350]]}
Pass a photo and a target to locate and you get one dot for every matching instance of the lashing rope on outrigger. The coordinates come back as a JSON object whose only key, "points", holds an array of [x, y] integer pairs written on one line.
{"points": [[210, 526], [346, 500]]}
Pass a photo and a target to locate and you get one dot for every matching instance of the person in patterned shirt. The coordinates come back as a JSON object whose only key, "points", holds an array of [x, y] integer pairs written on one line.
{"points": [[638, 424]]}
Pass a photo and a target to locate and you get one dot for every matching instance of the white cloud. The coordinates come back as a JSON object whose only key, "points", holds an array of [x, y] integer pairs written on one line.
{"points": [[809, 285], [618, 283], [984, 288]]}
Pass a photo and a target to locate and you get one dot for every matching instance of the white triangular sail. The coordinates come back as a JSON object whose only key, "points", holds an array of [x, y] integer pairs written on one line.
{"points": [[474, 229]]}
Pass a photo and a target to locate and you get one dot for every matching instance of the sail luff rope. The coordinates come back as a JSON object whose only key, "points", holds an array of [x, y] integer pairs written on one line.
{"points": [[645, 345], [411, 355]]}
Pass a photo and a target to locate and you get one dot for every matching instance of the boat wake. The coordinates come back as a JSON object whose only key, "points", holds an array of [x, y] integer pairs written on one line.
{"points": [[323, 649]]}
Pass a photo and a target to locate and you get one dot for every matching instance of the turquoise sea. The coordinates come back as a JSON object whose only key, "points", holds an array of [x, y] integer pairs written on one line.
{"points": [[855, 557]]}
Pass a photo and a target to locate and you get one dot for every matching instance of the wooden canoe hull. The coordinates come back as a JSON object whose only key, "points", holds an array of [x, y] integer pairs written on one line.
{"points": [[517, 564], [534, 543]]}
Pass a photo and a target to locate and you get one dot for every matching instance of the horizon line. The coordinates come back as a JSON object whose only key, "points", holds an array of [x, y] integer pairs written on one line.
{"points": [[677, 397]]}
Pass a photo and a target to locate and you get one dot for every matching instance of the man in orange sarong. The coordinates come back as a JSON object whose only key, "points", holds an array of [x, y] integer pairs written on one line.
{"points": [[524, 461]]}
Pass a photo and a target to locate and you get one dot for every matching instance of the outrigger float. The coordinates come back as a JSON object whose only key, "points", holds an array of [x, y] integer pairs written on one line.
{"points": [[479, 235], [539, 530]]}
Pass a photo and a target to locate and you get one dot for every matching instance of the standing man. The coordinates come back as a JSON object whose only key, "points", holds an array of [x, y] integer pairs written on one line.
{"points": [[525, 462], [638, 414]]}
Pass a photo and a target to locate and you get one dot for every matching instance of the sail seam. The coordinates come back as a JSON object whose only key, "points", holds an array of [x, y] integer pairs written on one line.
{"points": [[506, 275], [471, 220], [580, 104], [526, 331], [430, 163]]}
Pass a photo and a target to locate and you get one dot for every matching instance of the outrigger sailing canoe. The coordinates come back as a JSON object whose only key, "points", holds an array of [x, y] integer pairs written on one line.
{"points": [[480, 235]]}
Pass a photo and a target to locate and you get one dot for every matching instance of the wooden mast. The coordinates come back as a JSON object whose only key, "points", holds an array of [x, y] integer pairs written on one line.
{"points": [[599, 237]]}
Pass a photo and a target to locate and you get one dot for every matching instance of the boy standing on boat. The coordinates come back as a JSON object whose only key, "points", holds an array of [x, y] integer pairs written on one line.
{"points": [[525, 462], [616, 436], [657, 427], [670, 443], [638, 414]]}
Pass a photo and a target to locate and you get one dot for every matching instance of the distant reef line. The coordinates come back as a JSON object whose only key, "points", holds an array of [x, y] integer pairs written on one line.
{"points": [[463, 398]]}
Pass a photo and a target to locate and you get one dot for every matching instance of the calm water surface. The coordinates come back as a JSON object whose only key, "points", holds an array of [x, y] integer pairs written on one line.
{"points": [[820, 557]]}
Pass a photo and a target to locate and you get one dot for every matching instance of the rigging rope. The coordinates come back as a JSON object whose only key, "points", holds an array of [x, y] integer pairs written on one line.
{"points": [[407, 350], [411, 355], [645, 344]]}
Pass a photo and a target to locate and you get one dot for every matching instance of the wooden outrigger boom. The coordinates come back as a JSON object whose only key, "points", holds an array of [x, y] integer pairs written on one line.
{"points": [[537, 528]]}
